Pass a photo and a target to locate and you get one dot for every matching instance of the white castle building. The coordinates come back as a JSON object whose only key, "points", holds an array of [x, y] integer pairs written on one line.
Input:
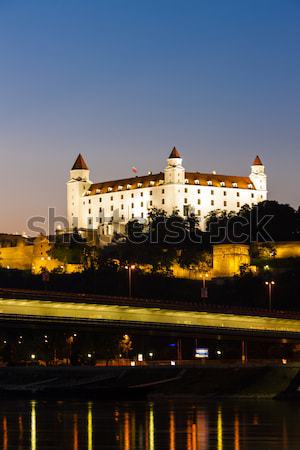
{"points": [[108, 206]]}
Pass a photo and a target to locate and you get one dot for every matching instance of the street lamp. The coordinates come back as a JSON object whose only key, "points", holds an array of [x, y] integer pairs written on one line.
{"points": [[130, 268], [270, 285], [204, 293]]}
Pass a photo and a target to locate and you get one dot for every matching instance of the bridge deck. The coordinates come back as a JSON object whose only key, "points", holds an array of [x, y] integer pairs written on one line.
{"points": [[62, 307]]}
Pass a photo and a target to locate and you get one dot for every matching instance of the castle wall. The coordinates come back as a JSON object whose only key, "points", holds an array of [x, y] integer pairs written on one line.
{"points": [[228, 259], [287, 249], [19, 257]]}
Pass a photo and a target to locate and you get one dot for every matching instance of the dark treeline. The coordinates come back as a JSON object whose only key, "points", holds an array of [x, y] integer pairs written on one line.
{"points": [[245, 291]]}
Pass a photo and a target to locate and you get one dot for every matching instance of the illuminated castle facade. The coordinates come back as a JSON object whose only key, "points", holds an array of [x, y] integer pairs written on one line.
{"points": [[108, 206]]}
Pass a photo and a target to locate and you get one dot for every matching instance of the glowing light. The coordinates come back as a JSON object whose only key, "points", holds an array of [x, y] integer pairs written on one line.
{"points": [[33, 356]]}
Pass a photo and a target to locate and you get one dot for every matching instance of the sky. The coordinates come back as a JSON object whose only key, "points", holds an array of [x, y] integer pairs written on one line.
{"points": [[123, 81]]}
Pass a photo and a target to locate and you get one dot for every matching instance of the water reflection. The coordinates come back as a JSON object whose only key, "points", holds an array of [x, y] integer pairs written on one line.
{"points": [[161, 425], [90, 426], [220, 428], [5, 439], [33, 425]]}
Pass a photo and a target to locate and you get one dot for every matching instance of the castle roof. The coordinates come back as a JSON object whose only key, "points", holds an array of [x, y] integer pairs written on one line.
{"points": [[192, 178], [175, 153], [80, 163], [257, 161]]}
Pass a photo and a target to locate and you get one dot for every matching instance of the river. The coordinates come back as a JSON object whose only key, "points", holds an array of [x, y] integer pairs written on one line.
{"points": [[158, 425]]}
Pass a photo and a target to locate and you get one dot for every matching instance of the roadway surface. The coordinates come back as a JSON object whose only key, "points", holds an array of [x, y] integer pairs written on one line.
{"points": [[42, 306]]}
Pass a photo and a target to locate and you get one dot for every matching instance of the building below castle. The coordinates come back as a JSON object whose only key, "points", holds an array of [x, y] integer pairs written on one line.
{"points": [[108, 206]]}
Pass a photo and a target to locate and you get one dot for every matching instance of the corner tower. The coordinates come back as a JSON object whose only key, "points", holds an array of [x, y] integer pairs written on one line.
{"points": [[77, 186], [258, 175], [174, 172]]}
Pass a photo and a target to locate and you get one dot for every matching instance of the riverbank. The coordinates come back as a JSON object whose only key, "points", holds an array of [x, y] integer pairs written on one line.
{"points": [[141, 382]]}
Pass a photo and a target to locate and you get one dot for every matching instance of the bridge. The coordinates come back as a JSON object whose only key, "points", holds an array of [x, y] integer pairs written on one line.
{"points": [[66, 308]]}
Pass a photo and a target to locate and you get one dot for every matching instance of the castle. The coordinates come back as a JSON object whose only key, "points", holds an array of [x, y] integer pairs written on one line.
{"points": [[108, 206]]}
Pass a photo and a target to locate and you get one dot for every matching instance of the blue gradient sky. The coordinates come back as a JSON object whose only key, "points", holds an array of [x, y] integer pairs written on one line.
{"points": [[124, 81]]}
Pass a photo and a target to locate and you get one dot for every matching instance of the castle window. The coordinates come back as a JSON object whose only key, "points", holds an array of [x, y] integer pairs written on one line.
{"points": [[197, 182], [234, 185], [90, 211], [122, 216], [122, 206], [212, 202], [98, 191], [100, 220], [150, 203], [150, 193], [186, 181], [142, 215], [199, 191], [185, 200], [185, 190], [109, 189], [222, 184], [139, 185], [209, 183], [199, 201], [142, 194], [252, 195], [199, 212], [128, 186], [132, 195], [142, 204], [90, 221], [225, 193], [162, 191], [84, 203], [237, 194], [163, 201], [151, 183], [238, 204], [120, 188], [132, 216], [100, 210], [212, 192], [250, 186], [132, 205], [89, 201], [112, 207], [111, 198], [225, 203], [100, 199], [122, 196]]}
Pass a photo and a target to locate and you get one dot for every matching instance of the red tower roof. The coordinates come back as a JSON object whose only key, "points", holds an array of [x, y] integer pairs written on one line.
{"points": [[257, 161], [80, 163], [175, 153]]}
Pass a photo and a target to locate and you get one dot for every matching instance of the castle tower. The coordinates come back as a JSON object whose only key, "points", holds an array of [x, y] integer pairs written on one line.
{"points": [[174, 172], [77, 185], [257, 175]]}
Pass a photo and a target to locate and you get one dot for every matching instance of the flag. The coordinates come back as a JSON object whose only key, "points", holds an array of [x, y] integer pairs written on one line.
{"points": [[134, 169]]}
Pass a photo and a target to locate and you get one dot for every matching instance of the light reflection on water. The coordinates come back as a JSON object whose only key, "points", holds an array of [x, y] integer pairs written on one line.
{"points": [[161, 425]]}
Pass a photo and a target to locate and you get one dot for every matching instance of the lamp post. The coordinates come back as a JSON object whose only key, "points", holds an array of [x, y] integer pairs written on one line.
{"points": [[130, 268], [204, 293], [270, 285]]}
